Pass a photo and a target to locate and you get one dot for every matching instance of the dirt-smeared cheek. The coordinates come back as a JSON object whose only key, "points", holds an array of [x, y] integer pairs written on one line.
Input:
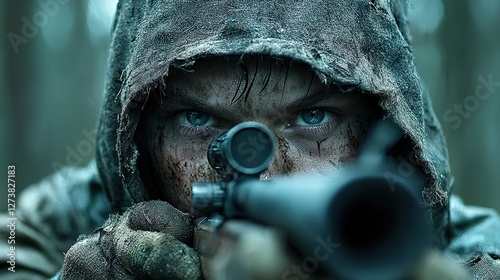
{"points": [[181, 164], [177, 163], [177, 173], [299, 156]]}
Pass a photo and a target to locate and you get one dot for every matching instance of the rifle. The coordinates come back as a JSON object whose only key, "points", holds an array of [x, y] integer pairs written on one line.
{"points": [[362, 221]]}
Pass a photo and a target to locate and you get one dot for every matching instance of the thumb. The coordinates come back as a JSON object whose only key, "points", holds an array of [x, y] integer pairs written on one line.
{"points": [[159, 216], [155, 255]]}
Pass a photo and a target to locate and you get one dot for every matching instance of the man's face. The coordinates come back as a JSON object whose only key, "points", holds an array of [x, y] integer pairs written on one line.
{"points": [[315, 125]]}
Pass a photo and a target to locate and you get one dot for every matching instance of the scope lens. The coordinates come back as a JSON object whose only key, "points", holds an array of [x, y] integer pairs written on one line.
{"points": [[251, 148], [247, 148]]}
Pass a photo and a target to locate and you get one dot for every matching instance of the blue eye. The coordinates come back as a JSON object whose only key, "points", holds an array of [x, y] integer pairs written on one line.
{"points": [[196, 118], [313, 117]]}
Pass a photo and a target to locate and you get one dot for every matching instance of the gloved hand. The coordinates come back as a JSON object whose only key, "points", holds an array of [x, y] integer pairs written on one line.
{"points": [[147, 242]]}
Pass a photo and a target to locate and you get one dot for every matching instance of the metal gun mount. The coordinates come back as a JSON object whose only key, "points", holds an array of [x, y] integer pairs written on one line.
{"points": [[372, 211]]}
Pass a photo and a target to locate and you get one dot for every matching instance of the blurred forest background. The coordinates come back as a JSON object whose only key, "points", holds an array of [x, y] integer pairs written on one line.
{"points": [[51, 85]]}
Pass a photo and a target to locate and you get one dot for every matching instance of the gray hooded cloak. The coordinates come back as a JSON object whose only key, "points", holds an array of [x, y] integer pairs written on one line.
{"points": [[363, 44]]}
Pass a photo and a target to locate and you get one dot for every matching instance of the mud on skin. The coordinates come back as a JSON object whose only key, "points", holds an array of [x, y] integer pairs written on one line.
{"points": [[173, 151]]}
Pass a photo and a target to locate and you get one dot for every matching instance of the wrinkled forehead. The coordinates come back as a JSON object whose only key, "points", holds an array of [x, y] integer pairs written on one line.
{"points": [[237, 74], [257, 80]]}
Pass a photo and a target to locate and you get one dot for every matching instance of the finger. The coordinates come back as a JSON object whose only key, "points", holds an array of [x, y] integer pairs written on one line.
{"points": [[85, 256], [156, 255], [159, 216]]}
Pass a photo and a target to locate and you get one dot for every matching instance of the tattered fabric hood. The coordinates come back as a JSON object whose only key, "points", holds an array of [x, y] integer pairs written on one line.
{"points": [[360, 43]]}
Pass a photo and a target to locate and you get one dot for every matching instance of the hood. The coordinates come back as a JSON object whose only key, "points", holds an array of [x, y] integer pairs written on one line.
{"points": [[360, 43]]}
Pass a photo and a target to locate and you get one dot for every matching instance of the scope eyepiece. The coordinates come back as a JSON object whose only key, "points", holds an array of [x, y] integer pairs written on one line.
{"points": [[247, 148]]}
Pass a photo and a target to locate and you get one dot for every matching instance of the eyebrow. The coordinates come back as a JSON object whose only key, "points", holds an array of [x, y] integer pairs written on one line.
{"points": [[178, 98], [311, 100]]}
